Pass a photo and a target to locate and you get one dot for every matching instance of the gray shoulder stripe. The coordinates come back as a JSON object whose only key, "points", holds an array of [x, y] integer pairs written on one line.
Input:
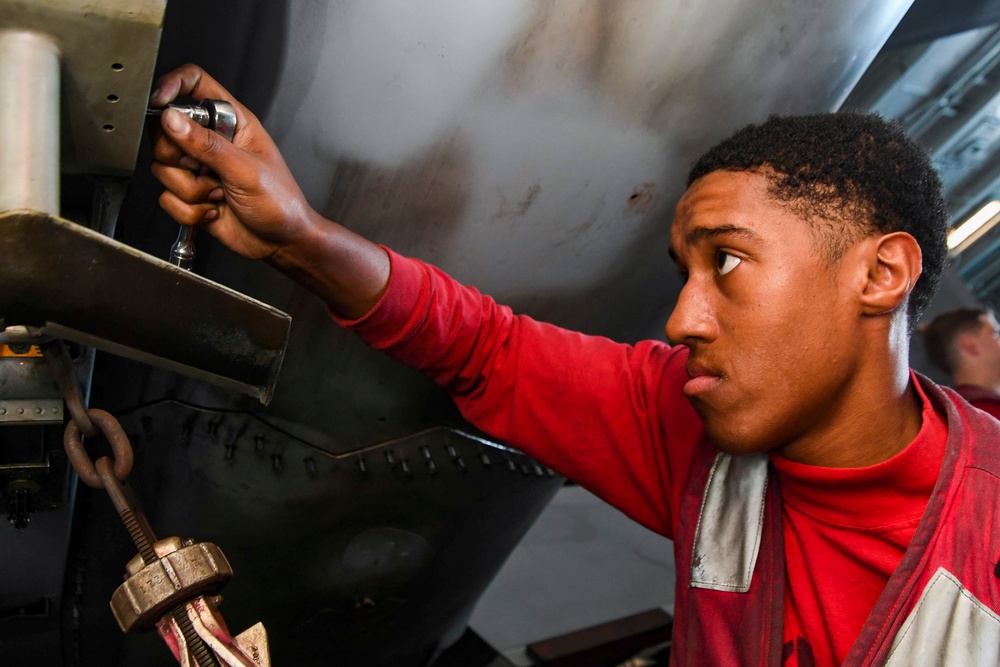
{"points": [[949, 626], [730, 524]]}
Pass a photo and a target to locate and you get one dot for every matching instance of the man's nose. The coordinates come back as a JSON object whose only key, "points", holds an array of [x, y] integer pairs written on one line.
{"points": [[693, 317]]}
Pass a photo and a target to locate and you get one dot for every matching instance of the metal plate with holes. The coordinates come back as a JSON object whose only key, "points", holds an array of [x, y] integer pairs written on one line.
{"points": [[108, 52]]}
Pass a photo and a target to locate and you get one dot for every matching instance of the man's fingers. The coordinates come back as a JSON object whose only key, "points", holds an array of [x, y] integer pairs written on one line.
{"points": [[187, 214], [166, 151], [186, 185]]}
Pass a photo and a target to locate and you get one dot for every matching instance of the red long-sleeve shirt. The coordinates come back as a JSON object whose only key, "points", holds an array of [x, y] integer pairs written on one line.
{"points": [[613, 418]]}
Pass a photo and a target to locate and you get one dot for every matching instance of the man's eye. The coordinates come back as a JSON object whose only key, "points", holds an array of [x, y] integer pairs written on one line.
{"points": [[725, 262]]}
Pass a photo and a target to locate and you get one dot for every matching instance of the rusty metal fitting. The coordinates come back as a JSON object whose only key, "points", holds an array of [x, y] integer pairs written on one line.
{"points": [[120, 446], [180, 574]]}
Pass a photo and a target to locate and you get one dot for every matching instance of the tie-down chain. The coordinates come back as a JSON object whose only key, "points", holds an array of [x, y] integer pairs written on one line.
{"points": [[172, 584]]}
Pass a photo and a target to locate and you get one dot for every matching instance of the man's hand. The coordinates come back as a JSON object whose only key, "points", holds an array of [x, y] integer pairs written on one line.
{"points": [[248, 200], [250, 203]]}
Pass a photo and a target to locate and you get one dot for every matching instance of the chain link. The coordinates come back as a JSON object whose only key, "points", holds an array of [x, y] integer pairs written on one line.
{"points": [[57, 357], [85, 421], [120, 445]]}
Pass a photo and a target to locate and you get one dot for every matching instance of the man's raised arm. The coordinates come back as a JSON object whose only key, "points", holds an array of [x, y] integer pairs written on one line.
{"points": [[252, 204]]}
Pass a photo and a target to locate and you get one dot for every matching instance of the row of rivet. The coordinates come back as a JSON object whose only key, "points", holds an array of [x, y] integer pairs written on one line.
{"points": [[37, 411], [391, 458]]}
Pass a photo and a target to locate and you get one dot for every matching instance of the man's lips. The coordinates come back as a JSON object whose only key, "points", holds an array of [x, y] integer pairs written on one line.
{"points": [[703, 379]]}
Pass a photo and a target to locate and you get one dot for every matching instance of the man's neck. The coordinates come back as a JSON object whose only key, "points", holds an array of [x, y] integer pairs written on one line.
{"points": [[873, 433], [977, 377], [877, 414]]}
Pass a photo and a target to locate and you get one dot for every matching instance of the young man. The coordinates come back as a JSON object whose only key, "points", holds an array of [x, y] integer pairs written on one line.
{"points": [[965, 344], [820, 496]]}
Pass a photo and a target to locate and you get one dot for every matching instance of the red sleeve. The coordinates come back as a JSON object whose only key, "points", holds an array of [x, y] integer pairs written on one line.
{"points": [[586, 406]]}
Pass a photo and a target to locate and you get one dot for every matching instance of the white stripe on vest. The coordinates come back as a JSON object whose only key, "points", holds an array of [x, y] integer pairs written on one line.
{"points": [[949, 626], [730, 524]]}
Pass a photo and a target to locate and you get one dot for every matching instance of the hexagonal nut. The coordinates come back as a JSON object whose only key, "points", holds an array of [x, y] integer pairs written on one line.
{"points": [[200, 569], [163, 547]]}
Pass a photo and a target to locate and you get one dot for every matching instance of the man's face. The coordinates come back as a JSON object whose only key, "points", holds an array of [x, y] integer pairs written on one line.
{"points": [[770, 323]]}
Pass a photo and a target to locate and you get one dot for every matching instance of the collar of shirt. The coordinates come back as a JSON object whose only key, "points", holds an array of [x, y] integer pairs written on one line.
{"points": [[884, 495]]}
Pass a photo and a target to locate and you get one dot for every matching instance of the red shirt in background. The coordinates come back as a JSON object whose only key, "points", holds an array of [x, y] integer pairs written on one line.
{"points": [[984, 399]]}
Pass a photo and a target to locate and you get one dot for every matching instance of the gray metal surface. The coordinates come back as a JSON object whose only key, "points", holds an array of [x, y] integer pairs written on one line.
{"points": [[108, 50], [536, 149]]}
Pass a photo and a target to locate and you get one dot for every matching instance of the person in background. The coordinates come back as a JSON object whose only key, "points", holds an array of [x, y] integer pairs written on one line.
{"points": [[965, 344]]}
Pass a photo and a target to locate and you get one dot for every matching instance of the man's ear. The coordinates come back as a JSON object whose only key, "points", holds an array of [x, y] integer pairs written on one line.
{"points": [[967, 344], [894, 263]]}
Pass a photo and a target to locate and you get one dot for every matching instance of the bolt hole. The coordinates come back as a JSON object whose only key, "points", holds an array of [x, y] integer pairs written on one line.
{"points": [[109, 128], [117, 67], [112, 98]]}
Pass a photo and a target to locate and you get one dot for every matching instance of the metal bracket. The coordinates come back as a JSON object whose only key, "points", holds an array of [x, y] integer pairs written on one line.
{"points": [[74, 283]]}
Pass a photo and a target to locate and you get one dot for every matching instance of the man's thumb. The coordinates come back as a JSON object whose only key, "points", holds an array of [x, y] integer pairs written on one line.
{"points": [[176, 123], [204, 145]]}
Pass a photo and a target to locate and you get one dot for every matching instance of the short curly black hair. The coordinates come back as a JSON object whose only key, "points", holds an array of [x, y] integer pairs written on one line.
{"points": [[851, 175]]}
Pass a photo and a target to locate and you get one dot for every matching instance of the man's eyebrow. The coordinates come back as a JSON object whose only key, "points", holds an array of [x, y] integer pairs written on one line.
{"points": [[701, 233]]}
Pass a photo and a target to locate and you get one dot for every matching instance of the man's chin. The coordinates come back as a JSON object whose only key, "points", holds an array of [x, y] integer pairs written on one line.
{"points": [[736, 442]]}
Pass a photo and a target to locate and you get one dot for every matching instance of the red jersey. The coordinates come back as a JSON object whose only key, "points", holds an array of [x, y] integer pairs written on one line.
{"points": [[984, 399]]}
